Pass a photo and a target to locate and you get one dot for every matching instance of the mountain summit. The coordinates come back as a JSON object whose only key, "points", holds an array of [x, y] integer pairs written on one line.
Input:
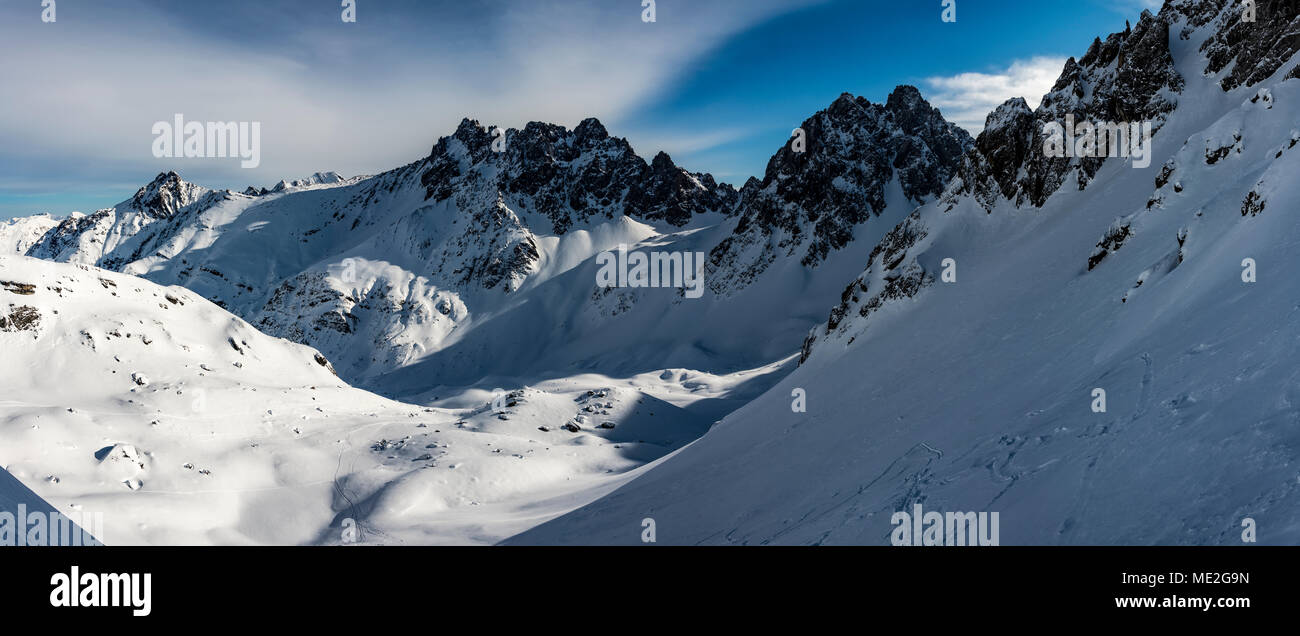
{"points": [[859, 159]]}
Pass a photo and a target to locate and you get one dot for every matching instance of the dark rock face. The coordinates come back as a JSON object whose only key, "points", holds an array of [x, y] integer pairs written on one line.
{"points": [[1128, 77], [324, 362], [495, 248], [1253, 205], [1006, 143], [164, 196], [674, 195], [22, 289], [1255, 50], [931, 147], [22, 318], [567, 176], [1114, 239], [890, 276], [811, 201]]}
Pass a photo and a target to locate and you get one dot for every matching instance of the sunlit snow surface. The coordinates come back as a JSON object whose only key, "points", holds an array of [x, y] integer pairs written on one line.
{"points": [[244, 438]]}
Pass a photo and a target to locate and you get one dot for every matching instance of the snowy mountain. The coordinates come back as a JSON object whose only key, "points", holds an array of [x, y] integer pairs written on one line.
{"points": [[183, 424], [476, 265], [439, 281], [130, 229], [1093, 346], [18, 235], [961, 369]]}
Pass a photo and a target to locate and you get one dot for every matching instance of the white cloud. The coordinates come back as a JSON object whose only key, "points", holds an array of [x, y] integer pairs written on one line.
{"points": [[968, 98]]}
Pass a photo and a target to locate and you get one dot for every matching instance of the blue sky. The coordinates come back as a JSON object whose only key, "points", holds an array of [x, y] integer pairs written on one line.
{"points": [[719, 84]]}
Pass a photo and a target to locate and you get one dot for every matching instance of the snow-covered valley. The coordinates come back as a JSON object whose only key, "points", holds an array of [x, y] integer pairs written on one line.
{"points": [[184, 425]]}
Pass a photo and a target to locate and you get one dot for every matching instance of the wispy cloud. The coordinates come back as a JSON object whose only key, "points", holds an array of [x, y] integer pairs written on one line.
{"points": [[84, 92], [677, 143], [968, 98]]}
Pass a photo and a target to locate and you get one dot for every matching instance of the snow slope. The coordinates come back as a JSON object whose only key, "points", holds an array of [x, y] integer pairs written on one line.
{"points": [[13, 493], [18, 235], [185, 425], [977, 395]]}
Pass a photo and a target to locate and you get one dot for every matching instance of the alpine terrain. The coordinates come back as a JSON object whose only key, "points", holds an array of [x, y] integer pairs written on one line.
{"points": [[1093, 343]]}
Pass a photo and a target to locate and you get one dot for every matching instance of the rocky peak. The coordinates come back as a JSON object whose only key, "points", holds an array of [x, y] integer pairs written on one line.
{"points": [[810, 199], [662, 163], [847, 105], [474, 135], [569, 176], [1007, 141], [165, 195], [916, 117], [590, 130]]}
